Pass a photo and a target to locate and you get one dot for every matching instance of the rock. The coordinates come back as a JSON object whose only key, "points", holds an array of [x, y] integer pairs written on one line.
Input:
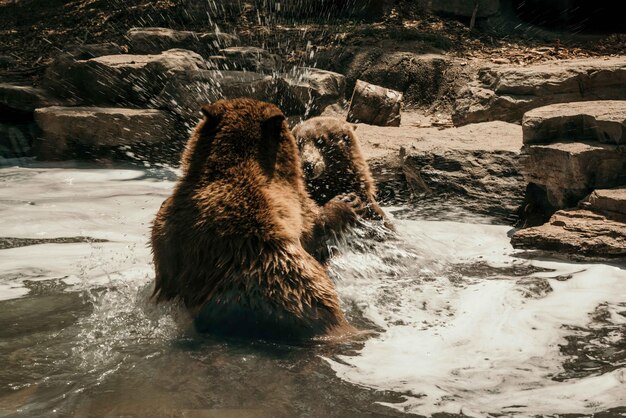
{"points": [[608, 202], [474, 168], [250, 58], [157, 40], [534, 287], [374, 105], [507, 92], [88, 51], [16, 140], [577, 233], [186, 92], [67, 128], [465, 8], [22, 99], [568, 171], [118, 79], [602, 121], [308, 91], [422, 78]]}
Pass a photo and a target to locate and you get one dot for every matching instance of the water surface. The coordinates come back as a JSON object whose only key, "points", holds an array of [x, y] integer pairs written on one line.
{"points": [[464, 324]]}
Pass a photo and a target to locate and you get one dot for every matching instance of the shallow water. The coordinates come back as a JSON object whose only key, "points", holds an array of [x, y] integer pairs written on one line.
{"points": [[465, 324]]}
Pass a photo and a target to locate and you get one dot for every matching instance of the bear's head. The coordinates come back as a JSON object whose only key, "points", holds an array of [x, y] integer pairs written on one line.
{"points": [[328, 148], [240, 131]]}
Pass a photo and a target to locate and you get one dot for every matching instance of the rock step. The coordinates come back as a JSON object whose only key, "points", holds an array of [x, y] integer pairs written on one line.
{"points": [[570, 170], [157, 40], [301, 91], [576, 232], [507, 92], [123, 79], [474, 167], [65, 128], [247, 58], [22, 99], [609, 202], [602, 121]]}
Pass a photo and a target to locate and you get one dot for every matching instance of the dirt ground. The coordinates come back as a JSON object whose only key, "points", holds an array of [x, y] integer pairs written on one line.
{"points": [[32, 32]]}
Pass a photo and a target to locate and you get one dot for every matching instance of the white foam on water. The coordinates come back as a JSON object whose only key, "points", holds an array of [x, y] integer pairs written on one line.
{"points": [[451, 340], [116, 205], [475, 346]]}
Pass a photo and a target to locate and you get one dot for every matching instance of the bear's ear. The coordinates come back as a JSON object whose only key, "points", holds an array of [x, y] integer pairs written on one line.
{"points": [[272, 121], [354, 126], [212, 114]]}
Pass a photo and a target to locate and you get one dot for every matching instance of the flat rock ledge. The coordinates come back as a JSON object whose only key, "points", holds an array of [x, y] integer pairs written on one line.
{"points": [[602, 121], [503, 92], [578, 233], [68, 128]]}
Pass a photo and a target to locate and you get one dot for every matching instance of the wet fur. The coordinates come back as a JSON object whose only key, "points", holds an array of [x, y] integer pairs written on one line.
{"points": [[345, 169], [234, 241]]}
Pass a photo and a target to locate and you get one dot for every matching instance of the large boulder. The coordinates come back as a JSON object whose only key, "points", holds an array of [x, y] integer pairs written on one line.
{"points": [[186, 92], [303, 91], [118, 79], [157, 40], [66, 129], [441, 172], [571, 149], [22, 99], [422, 78], [570, 170], [247, 58], [307, 91], [507, 92], [602, 121], [375, 105], [577, 232]]}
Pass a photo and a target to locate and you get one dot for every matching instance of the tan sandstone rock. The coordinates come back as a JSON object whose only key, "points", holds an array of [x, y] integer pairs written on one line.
{"points": [[374, 105]]}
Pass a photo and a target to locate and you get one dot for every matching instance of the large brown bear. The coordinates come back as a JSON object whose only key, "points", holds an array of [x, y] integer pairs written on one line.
{"points": [[234, 241], [334, 164]]}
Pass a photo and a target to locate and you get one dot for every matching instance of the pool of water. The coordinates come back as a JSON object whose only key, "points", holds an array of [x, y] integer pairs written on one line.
{"points": [[463, 323]]}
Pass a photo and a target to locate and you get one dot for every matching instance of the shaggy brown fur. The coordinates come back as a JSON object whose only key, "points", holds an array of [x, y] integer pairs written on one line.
{"points": [[232, 240], [333, 163]]}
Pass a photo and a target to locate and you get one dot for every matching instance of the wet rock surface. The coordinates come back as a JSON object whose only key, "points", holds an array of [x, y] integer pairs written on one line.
{"points": [[117, 79], [506, 93], [576, 232], [374, 105], [186, 92], [475, 167], [247, 58], [308, 91], [67, 128]]}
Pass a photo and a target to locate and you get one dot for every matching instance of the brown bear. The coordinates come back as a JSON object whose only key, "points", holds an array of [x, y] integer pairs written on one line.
{"points": [[234, 241], [334, 164]]}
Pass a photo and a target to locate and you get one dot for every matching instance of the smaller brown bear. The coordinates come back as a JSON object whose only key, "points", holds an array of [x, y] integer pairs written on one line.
{"points": [[234, 241], [334, 164]]}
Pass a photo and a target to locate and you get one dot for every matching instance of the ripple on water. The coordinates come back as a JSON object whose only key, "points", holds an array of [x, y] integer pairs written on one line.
{"points": [[463, 325]]}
